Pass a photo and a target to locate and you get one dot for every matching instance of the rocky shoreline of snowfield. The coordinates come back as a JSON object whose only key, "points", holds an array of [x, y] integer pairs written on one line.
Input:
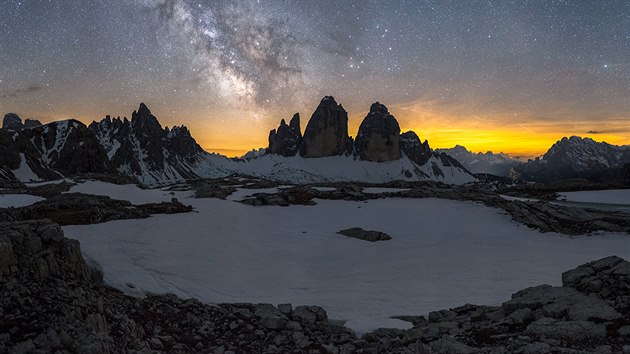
{"points": [[51, 301], [533, 206]]}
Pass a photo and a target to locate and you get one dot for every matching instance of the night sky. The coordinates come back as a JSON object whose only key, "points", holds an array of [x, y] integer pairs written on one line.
{"points": [[511, 76]]}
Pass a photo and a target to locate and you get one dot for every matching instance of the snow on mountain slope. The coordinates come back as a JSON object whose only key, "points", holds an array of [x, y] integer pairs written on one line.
{"points": [[496, 164], [24, 173], [141, 148], [577, 157], [440, 255], [18, 200], [296, 169]]}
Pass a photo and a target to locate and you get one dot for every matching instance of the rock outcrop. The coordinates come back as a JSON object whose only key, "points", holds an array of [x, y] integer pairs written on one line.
{"points": [[378, 138], [365, 235], [416, 150], [51, 301], [577, 157], [52, 150], [83, 209], [327, 131], [286, 139], [142, 149], [12, 121], [31, 123]]}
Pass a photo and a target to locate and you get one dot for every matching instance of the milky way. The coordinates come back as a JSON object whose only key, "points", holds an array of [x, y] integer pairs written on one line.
{"points": [[239, 52], [495, 72]]}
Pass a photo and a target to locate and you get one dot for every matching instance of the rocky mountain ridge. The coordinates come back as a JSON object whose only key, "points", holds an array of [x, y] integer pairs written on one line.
{"points": [[499, 164], [378, 140], [143, 151], [577, 157]]}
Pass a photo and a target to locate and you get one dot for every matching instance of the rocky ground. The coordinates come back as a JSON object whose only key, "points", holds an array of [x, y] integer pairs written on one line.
{"points": [[51, 301], [82, 209], [541, 214]]}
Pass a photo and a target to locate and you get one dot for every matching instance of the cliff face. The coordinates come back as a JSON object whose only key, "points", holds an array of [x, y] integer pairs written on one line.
{"points": [[378, 138], [327, 131]]}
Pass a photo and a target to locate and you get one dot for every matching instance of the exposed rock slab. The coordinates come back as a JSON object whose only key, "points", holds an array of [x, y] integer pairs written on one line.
{"points": [[365, 235]]}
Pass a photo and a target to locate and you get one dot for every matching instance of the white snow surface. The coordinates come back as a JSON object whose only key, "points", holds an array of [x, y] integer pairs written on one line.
{"points": [[443, 253], [18, 200], [610, 196], [296, 169], [24, 172], [130, 192]]}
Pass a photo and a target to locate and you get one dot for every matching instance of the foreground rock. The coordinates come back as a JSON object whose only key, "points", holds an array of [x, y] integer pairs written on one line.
{"points": [[51, 301], [82, 209], [371, 236]]}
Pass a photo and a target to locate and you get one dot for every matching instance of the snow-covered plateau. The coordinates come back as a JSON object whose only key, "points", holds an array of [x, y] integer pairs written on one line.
{"points": [[443, 253]]}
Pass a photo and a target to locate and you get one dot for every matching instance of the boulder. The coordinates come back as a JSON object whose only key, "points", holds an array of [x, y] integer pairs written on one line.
{"points": [[327, 131], [562, 303], [378, 138], [371, 236]]}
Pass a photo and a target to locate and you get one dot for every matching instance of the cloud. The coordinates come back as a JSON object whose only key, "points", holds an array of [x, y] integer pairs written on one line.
{"points": [[19, 92], [239, 51]]}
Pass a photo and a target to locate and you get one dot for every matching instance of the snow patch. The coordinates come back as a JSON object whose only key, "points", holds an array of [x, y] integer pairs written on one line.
{"points": [[443, 253], [18, 200], [24, 172]]}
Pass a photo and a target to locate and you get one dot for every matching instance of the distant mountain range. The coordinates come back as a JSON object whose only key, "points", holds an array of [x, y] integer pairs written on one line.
{"points": [[496, 164], [142, 150], [572, 157], [577, 157]]}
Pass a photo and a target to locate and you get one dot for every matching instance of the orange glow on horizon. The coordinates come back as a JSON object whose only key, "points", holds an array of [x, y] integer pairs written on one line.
{"points": [[239, 131]]}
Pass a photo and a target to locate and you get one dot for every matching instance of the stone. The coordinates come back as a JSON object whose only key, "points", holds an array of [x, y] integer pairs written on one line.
{"points": [[378, 138], [285, 309], [442, 316], [156, 344], [448, 344], [359, 233], [270, 316], [309, 314], [521, 316], [558, 329]]}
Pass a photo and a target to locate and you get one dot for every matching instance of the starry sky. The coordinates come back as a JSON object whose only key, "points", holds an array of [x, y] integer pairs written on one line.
{"points": [[512, 76]]}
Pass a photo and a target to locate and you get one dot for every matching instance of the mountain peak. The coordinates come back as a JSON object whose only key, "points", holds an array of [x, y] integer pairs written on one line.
{"points": [[143, 118], [378, 107], [12, 121]]}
